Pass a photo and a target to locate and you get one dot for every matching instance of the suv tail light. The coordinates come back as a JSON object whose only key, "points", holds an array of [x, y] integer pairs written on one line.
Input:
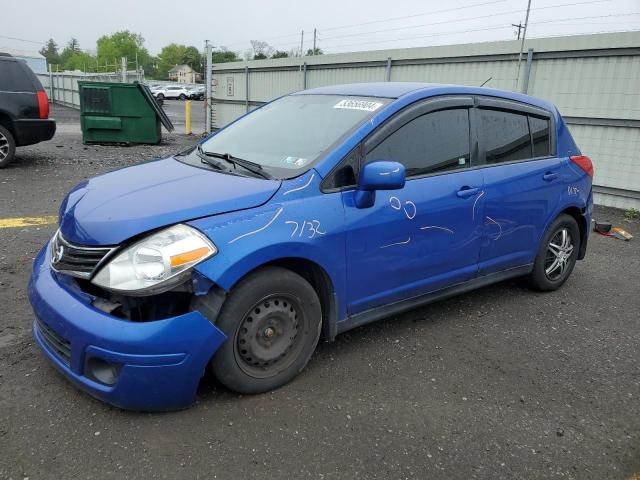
{"points": [[43, 104], [584, 163]]}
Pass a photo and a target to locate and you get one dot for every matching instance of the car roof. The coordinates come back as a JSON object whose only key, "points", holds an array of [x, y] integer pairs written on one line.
{"points": [[397, 90]]}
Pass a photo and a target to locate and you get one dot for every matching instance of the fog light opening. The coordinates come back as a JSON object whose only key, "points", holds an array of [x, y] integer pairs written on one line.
{"points": [[102, 371]]}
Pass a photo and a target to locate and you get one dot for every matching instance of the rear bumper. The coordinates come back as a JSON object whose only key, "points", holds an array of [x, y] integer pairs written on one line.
{"points": [[33, 131], [159, 363], [587, 215]]}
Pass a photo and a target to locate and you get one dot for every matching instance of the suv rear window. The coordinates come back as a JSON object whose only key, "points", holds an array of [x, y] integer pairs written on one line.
{"points": [[15, 77]]}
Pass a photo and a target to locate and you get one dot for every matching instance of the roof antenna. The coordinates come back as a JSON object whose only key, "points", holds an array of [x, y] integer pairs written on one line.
{"points": [[486, 81]]}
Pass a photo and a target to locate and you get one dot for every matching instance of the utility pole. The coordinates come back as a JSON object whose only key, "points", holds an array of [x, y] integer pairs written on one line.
{"points": [[301, 43], [208, 80], [524, 35], [315, 34], [519, 27]]}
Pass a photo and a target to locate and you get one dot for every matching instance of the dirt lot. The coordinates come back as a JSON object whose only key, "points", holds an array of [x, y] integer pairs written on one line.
{"points": [[500, 383]]}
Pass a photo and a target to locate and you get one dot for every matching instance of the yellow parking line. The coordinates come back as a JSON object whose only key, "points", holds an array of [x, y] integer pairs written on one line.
{"points": [[27, 221]]}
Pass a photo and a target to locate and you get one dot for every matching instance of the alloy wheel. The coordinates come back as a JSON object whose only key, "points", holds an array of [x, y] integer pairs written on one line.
{"points": [[558, 254], [4, 147]]}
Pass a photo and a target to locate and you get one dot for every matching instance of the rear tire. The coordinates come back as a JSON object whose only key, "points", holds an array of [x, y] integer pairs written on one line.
{"points": [[7, 147], [160, 96], [182, 96], [272, 320], [557, 254]]}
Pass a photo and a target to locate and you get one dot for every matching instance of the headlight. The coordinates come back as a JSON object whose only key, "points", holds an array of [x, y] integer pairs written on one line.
{"points": [[155, 263]]}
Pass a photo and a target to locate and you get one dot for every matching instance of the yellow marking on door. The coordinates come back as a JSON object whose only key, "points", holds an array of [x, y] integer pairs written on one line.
{"points": [[27, 221]]}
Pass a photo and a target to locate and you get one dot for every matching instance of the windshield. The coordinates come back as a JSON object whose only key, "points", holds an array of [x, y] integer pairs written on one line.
{"points": [[287, 136]]}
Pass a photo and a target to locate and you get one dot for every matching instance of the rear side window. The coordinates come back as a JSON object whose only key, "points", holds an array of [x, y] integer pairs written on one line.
{"points": [[540, 134], [505, 136], [432, 143], [15, 77]]}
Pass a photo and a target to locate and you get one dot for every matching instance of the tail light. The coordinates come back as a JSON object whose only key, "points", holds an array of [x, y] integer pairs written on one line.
{"points": [[584, 163], [43, 104]]}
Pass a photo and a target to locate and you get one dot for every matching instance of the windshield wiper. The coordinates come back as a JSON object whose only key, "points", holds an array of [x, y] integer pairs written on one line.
{"points": [[205, 157], [246, 164]]}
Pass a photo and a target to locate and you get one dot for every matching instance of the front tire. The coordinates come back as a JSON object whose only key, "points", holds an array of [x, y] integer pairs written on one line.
{"points": [[7, 147], [557, 254], [160, 97], [182, 96], [272, 320]]}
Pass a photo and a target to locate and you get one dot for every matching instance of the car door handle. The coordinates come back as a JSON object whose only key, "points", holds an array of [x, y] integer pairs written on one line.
{"points": [[466, 192], [549, 176]]}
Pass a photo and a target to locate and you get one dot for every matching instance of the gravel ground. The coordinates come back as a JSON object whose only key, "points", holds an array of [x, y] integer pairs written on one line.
{"points": [[499, 383]]}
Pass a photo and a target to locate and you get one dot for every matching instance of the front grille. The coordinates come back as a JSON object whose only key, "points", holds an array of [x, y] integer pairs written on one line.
{"points": [[56, 343], [76, 260]]}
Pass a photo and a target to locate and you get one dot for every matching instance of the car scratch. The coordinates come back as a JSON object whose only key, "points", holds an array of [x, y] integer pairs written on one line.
{"points": [[428, 227], [397, 243], [415, 210], [474, 205], [253, 232], [499, 226], [302, 187]]}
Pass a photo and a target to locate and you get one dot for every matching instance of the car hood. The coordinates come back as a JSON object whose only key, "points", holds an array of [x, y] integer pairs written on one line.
{"points": [[108, 209]]}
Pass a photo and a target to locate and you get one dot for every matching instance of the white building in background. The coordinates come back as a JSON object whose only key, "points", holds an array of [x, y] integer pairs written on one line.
{"points": [[35, 60], [184, 74]]}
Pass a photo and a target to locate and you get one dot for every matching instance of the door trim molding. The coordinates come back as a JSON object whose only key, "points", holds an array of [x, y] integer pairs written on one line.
{"points": [[395, 308]]}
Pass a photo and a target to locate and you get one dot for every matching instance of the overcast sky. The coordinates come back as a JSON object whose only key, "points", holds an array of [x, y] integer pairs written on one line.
{"points": [[343, 25]]}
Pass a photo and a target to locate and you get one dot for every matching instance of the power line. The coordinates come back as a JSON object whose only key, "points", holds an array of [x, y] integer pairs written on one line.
{"points": [[392, 19], [478, 30], [478, 17], [415, 15]]}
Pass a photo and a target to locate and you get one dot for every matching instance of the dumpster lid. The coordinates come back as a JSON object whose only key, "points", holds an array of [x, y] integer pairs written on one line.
{"points": [[146, 93]]}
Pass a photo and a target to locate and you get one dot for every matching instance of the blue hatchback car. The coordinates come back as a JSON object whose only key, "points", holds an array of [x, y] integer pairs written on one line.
{"points": [[316, 213]]}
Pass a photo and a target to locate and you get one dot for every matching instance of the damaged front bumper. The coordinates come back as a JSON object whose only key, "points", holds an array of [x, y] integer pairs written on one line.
{"points": [[148, 366]]}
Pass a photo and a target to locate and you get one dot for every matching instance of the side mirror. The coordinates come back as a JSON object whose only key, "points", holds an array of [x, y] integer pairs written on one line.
{"points": [[378, 175]]}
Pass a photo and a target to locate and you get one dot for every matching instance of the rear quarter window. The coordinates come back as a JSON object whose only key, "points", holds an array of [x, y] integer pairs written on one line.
{"points": [[541, 136], [15, 76]]}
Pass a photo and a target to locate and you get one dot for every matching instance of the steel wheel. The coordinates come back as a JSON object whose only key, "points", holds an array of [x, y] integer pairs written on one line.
{"points": [[267, 339], [4, 147], [558, 253]]}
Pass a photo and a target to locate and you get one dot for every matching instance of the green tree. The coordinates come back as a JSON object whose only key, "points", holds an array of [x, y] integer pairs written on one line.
{"points": [[279, 54], [123, 44], [50, 52], [222, 55], [170, 56], [73, 58], [316, 51], [176, 54]]}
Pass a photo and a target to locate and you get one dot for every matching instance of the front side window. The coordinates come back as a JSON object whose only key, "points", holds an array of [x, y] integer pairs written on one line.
{"points": [[287, 136], [505, 136], [432, 143]]}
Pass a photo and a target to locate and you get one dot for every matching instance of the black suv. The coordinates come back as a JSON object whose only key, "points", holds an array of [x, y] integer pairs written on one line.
{"points": [[24, 108]]}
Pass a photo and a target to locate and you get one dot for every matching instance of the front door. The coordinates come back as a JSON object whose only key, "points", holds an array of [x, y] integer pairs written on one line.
{"points": [[427, 235]]}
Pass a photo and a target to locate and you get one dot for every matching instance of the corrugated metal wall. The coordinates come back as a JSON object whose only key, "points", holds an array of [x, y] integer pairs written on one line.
{"points": [[593, 79]]}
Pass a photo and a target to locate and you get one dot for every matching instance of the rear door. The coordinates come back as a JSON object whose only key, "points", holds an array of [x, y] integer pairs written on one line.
{"points": [[425, 236], [522, 181]]}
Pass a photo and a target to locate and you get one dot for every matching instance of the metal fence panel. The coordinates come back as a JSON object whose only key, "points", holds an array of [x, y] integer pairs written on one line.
{"points": [[593, 79], [62, 87]]}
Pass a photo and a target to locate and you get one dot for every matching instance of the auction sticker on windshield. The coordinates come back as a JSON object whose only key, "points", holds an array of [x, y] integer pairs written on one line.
{"points": [[365, 105]]}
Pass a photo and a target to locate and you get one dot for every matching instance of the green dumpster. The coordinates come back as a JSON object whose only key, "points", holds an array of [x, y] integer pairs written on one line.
{"points": [[120, 113]]}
